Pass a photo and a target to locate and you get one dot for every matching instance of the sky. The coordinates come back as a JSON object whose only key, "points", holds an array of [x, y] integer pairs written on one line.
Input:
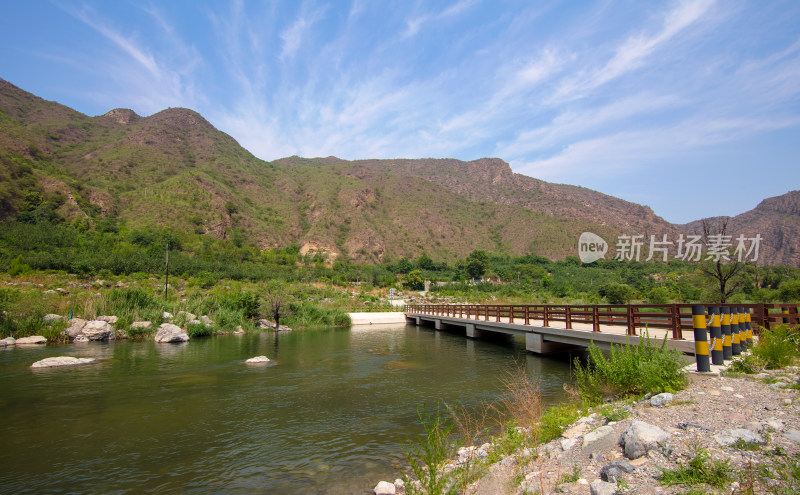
{"points": [[690, 107]]}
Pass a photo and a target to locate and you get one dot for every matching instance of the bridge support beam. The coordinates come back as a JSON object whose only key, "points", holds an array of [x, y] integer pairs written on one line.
{"points": [[473, 333], [534, 342]]}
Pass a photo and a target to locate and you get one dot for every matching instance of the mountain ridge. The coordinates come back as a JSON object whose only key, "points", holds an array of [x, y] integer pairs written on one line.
{"points": [[174, 169]]}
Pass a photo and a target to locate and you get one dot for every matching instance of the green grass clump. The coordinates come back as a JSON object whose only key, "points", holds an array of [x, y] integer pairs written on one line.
{"points": [[777, 347], [310, 315], [555, 418], [629, 370], [700, 470], [196, 330]]}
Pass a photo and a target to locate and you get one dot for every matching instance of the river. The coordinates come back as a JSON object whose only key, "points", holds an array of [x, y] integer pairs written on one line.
{"points": [[330, 417]]}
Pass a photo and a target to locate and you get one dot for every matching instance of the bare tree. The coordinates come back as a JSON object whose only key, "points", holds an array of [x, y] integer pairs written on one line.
{"points": [[722, 269], [275, 301]]}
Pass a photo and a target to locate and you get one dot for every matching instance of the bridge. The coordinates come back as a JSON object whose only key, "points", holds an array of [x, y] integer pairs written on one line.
{"points": [[556, 328]]}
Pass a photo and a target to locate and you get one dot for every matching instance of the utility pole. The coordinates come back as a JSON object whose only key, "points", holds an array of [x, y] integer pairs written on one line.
{"points": [[166, 283]]}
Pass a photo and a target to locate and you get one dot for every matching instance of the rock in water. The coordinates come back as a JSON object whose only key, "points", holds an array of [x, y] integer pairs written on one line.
{"points": [[32, 340], [55, 362], [8, 341], [98, 330], [384, 488], [259, 360], [167, 332], [75, 327]]}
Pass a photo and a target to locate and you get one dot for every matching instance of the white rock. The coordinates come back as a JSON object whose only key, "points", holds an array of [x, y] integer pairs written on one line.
{"points": [[662, 400], [8, 341], [146, 325], [239, 330], [81, 338], [167, 332], [166, 316], [640, 437], [597, 435], [53, 362], [50, 317], [384, 488], [399, 485], [110, 319], [568, 443], [602, 488], [98, 330], [729, 437], [32, 340], [75, 327], [259, 360], [205, 320]]}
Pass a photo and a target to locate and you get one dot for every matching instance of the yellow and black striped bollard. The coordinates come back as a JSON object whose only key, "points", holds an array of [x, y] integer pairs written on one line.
{"points": [[785, 311], [749, 323], [716, 336], [742, 329], [735, 348], [700, 338], [727, 352]]}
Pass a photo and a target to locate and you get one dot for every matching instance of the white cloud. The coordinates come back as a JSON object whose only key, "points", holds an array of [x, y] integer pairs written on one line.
{"points": [[293, 35], [413, 26]]}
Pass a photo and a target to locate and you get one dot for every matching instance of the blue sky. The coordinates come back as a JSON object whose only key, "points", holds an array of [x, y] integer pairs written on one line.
{"points": [[690, 107]]}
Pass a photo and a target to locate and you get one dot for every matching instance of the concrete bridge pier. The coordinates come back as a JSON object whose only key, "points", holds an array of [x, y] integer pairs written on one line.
{"points": [[534, 342], [474, 333]]}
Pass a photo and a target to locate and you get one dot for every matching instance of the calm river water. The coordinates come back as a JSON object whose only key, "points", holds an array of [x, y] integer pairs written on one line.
{"points": [[331, 417]]}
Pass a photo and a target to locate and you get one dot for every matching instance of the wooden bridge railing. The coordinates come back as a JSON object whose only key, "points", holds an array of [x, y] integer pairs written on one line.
{"points": [[674, 317]]}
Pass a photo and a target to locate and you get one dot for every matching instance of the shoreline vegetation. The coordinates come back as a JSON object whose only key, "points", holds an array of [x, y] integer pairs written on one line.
{"points": [[589, 444]]}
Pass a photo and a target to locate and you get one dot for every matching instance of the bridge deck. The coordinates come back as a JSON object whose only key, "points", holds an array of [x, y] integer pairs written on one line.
{"points": [[556, 337]]}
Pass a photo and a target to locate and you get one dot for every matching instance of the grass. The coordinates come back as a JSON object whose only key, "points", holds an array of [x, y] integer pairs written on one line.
{"points": [[777, 347], [700, 470], [629, 371]]}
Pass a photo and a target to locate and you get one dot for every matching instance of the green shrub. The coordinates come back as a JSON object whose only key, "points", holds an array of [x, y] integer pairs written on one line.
{"points": [[630, 370], [18, 267], [196, 330], [777, 347]]}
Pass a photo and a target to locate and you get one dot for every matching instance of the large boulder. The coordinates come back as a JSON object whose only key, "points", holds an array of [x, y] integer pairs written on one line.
{"points": [[32, 340], [75, 327], [109, 319], [167, 332], [98, 330], [640, 437], [54, 362], [8, 341]]}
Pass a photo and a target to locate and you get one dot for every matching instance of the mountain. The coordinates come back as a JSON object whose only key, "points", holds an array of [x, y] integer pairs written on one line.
{"points": [[776, 219], [174, 169]]}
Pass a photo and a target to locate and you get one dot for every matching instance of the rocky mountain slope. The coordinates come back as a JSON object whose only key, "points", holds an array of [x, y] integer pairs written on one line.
{"points": [[174, 169]]}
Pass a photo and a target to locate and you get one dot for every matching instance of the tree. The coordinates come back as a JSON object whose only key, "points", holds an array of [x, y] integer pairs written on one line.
{"points": [[617, 293], [414, 280], [275, 301], [404, 266], [424, 262], [477, 262], [725, 276]]}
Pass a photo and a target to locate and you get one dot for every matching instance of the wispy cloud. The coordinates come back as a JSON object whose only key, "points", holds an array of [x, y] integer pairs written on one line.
{"points": [[635, 50], [293, 35], [414, 25]]}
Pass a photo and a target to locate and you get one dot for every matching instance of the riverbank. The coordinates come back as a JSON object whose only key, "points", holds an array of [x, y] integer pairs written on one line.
{"points": [[741, 433]]}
